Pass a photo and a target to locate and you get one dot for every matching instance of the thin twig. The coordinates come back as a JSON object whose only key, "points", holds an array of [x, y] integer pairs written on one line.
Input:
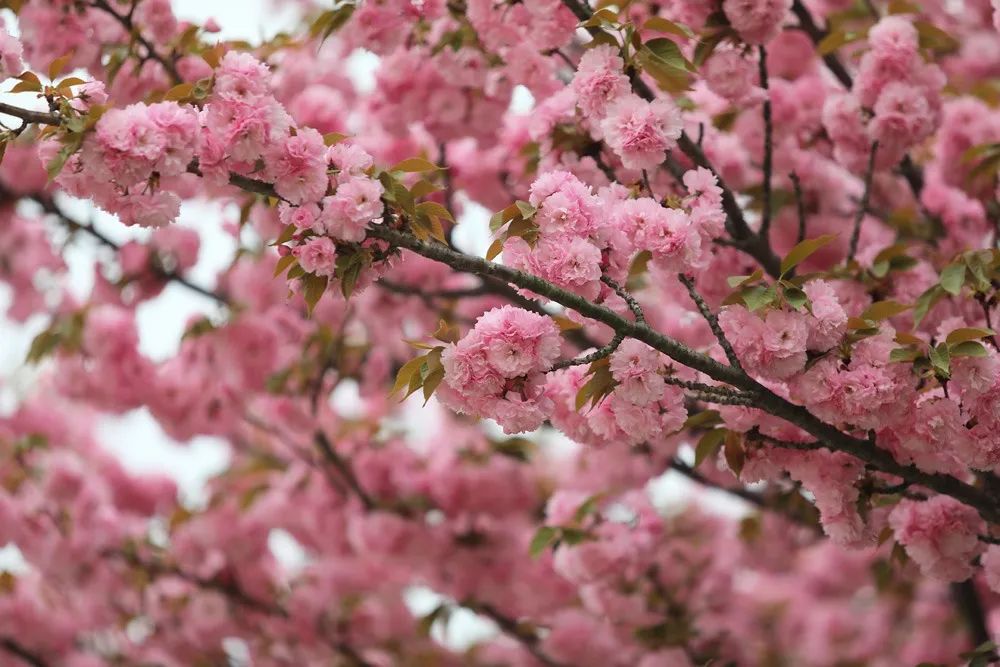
{"points": [[126, 22], [765, 220], [863, 206], [344, 468], [630, 300], [596, 355], [513, 629], [713, 321], [800, 206], [49, 206]]}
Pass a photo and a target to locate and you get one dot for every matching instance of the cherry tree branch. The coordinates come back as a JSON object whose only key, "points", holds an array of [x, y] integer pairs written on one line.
{"points": [[512, 628], [970, 607], [15, 649], [345, 470], [50, 207], [764, 399], [817, 35], [908, 168], [768, 168], [135, 33], [863, 204], [743, 236], [713, 321], [800, 206], [596, 355]]}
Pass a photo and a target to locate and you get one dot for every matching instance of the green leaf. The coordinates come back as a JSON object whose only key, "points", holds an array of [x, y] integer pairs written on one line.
{"points": [[415, 164], [181, 91], [59, 64], [313, 288], [286, 235], [495, 249], [709, 445], [953, 278], [283, 263], [906, 354], [706, 45], [795, 297], [883, 310], [925, 302], [434, 209], [758, 296], [703, 419], [969, 348], [940, 358], [544, 537], [803, 250], [733, 451], [441, 612], [639, 264], [837, 39], [903, 7], [934, 38], [968, 333], [406, 373], [43, 345], [600, 384], [740, 281], [587, 507], [660, 24], [663, 60], [333, 138], [56, 164], [431, 382], [29, 83]]}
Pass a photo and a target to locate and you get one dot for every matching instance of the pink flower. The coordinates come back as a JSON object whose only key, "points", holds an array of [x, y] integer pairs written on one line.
{"points": [[642, 132], [349, 158], [497, 369], [599, 81], [129, 144], [147, 210], [157, 19], [317, 255], [637, 367], [940, 534], [731, 74], [784, 342], [829, 320], [240, 75], [178, 125], [305, 217], [757, 21], [298, 167], [991, 559], [348, 212], [10, 55]]}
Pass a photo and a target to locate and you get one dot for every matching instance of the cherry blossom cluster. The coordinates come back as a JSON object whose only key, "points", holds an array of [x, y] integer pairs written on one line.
{"points": [[497, 370], [740, 245], [896, 100]]}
